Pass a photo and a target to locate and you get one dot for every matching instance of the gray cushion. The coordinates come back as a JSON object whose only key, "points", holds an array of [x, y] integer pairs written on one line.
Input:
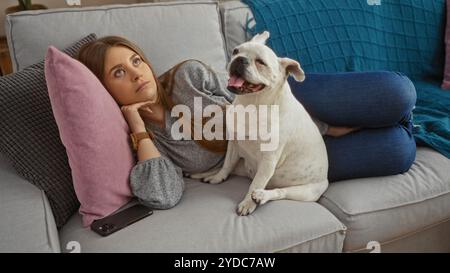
{"points": [[26, 220], [205, 220], [236, 17], [387, 208], [29, 136], [167, 32]]}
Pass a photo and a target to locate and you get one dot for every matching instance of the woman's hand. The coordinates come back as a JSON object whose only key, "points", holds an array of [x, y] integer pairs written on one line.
{"points": [[133, 117], [340, 131]]}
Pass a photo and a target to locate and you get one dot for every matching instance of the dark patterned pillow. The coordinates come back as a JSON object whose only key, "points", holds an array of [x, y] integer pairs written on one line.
{"points": [[29, 136]]}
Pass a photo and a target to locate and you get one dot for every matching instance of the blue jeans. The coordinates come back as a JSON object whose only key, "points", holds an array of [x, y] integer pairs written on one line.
{"points": [[379, 102]]}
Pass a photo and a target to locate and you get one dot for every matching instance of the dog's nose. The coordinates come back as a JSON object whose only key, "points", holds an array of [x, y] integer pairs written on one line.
{"points": [[238, 66]]}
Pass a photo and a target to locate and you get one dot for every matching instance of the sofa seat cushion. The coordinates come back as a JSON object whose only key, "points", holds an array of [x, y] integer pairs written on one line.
{"points": [[387, 208], [205, 220]]}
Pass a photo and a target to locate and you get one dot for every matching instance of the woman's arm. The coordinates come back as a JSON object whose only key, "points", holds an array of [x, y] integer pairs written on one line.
{"points": [[154, 180], [146, 147], [157, 182]]}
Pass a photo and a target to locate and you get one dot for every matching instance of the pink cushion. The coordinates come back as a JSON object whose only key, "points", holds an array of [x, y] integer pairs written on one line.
{"points": [[446, 81], [94, 133]]}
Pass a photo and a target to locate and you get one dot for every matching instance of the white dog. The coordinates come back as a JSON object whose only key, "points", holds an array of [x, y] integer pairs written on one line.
{"points": [[298, 168]]}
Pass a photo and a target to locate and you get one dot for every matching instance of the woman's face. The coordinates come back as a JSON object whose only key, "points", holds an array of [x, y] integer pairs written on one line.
{"points": [[127, 77]]}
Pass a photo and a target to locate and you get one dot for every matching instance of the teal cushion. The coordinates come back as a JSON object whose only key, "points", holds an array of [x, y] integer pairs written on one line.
{"points": [[332, 36]]}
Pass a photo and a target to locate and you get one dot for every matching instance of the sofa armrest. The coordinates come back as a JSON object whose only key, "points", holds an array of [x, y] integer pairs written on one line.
{"points": [[26, 219]]}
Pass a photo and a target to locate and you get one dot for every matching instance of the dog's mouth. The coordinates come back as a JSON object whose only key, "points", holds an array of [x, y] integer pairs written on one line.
{"points": [[239, 85]]}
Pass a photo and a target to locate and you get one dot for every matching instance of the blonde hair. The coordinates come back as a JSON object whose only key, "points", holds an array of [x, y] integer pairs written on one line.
{"points": [[93, 56]]}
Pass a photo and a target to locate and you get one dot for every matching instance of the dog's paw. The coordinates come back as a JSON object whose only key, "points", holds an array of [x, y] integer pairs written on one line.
{"points": [[215, 179], [260, 196], [246, 207]]}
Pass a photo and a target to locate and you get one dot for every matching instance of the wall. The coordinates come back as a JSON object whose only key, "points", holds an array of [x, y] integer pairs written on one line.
{"points": [[56, 4]]}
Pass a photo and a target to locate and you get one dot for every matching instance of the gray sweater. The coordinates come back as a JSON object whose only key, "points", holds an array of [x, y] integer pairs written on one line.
{"points": [[158, 182]]}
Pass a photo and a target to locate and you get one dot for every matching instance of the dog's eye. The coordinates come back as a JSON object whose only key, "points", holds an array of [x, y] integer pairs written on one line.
{"points": [[259, 61], [235, 51]]}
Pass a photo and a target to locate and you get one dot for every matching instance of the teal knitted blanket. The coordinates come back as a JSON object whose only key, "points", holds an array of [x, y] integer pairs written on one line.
{"points": [[432, 117]]}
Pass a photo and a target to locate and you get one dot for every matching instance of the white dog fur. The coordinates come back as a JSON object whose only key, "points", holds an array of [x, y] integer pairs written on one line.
{"points": [[298, 169]]}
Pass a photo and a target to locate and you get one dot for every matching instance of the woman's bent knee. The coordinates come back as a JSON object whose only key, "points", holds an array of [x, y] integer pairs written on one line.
{"points": [[407, 154], [370, 153], [400, 151], [400, 93]]}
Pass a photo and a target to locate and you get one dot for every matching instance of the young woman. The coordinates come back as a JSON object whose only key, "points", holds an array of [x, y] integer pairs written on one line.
{"points": [[379, 102]]}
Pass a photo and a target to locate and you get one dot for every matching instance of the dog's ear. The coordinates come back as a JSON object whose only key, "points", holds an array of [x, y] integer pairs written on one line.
{"points": [[261, 38], [292, 67]]}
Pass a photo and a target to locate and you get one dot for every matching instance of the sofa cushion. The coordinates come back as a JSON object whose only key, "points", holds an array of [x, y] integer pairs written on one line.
{"points": [[29, 136], [167, 32], [205, 220], [332, 36], [237, 18], [26, 219], [387, 208], [94, 133]]}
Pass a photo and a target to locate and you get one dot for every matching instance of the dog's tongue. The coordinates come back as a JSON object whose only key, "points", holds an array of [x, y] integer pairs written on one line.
{"points": [[235, 81]]}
